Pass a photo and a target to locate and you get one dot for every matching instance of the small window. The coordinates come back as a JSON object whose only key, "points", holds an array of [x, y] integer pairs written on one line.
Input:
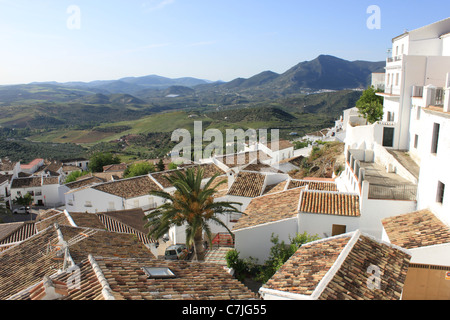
{"points": [[158, 273], [435, 141], [440, 192], [416, 141], [338, 229]]}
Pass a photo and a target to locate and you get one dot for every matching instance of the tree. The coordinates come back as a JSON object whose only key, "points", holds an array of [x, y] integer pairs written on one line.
{"points": [[139, 169], [370, 106], [73, 176], [25, 200], [281, 252], [160, 165], [190, 205], [99, 159]]}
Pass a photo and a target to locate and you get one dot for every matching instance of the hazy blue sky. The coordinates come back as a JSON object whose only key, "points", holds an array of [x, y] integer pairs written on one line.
{"points": [[209, 39]]}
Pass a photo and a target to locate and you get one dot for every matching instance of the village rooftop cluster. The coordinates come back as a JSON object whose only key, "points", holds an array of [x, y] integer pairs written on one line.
{"points": [[382, 222]]}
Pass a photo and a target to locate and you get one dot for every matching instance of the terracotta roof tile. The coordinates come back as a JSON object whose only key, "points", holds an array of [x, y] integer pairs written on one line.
{"points": [[244, 158], [313, 185], [270, 208], [416, 229], [273, 188], [26, 263], [247, 184], [129, 188], [27, 182], [209, 170], [193, 281], [342, 264], [334, 203]]}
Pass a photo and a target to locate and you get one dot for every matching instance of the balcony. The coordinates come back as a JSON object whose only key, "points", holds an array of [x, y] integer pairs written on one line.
{"points": [[394, 59]]}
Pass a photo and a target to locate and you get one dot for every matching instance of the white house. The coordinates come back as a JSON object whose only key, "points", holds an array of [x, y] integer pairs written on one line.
{"points": [[427, 238], [46, 191], [33, 166], [344, 267], [113, 196], [77, 162]]}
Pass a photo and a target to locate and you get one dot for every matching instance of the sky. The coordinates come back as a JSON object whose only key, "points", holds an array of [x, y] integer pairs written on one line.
{"points": [[86, 40]]}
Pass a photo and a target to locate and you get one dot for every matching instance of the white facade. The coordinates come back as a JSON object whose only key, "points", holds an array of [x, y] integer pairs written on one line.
{"points": [[255, 241], [92, 201]]}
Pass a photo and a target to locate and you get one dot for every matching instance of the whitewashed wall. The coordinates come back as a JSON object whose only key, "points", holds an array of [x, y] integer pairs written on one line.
{"points": [[255, 241]]}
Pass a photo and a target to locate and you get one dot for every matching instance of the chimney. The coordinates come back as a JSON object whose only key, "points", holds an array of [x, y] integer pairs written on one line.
{"points": [[49, 290]]}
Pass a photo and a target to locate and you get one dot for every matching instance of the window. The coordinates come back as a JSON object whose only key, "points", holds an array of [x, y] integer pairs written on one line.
{"points": [[156, 273], [388, 78], [419, 109], [416, 141], [88, 204], [338, 229], [396, 79], [440, 192], [435, 141]]}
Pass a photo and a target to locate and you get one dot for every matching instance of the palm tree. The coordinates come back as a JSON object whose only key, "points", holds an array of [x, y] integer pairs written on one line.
{"points": [[191, 205]]}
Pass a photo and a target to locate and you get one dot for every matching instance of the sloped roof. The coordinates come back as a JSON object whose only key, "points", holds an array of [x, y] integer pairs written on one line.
{"points": [[247, 184], [84, 181], [333, 203], [270, 208], [240, 159], [313, 185], [125, 279], [26, 263], [27, 182], [416, 229], [129, 188], [209, 170], [339, 268], [11, 233]]}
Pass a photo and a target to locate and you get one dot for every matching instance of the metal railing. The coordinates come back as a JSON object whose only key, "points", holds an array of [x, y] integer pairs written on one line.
{"points": [[394, 59], [393, 192]]}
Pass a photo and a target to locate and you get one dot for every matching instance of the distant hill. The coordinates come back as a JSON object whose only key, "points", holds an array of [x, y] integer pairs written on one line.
{"points": [[324, 72]]}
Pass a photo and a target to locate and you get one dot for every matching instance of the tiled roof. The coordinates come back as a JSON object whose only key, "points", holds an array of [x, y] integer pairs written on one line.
{"points": [[209, 170], [241, 159], [50, 180], [334, 203], [5, 177], [28, 182], [115, 167], [129, 188], [261, 167], [339, 268], [26, 263], [313, 185], [247, 184], [126, 280], [282, 144], [7, 165], [11, 233], [270, 208], [416, 229], [273, 188], [84, 181]]}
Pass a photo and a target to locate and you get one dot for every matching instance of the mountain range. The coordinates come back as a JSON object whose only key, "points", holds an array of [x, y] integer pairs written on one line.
{"points": [[324, 72]]}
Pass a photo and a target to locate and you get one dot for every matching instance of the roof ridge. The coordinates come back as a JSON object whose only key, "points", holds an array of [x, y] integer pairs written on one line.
{"points": [[336, 265], [106, 289]]}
